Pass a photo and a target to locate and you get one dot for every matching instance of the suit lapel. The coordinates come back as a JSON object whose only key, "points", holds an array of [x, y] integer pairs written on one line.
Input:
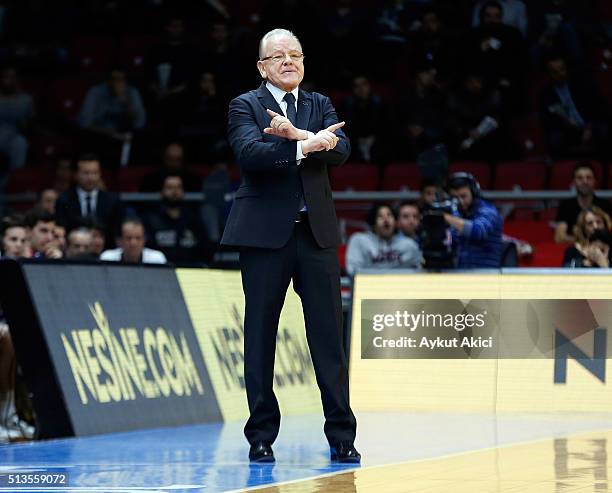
{"points": [[267, 99], [304, 108], [304, 105]]}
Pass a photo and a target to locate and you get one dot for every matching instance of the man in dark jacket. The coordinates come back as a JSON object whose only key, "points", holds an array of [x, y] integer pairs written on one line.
{"points": [[283, 217], [87, 201]]}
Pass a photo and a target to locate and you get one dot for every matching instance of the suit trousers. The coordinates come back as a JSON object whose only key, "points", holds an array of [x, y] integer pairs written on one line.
{"points": [[266, 274]]}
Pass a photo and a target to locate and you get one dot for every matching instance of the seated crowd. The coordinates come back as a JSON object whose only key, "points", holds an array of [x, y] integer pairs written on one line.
{"points": [[87, 222]]}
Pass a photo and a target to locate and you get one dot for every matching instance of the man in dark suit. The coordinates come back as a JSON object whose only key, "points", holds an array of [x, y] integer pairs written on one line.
{"points": [[573, 113], [86, 201], [283, 217]]}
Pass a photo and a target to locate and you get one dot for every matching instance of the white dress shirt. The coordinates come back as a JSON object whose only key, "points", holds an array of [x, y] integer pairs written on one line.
{"points": [[149, 256], [278, 95], [82, 194]]}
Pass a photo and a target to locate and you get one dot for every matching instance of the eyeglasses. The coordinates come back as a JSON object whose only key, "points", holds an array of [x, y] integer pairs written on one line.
{"points": [[294, 55]]}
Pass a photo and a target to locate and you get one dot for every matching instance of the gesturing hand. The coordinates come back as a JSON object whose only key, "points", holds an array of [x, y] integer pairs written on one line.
{"points": [[323, 140], [282, 127]]}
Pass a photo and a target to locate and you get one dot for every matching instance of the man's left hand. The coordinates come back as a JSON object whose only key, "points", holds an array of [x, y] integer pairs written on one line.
{"points": [[282, 127]]}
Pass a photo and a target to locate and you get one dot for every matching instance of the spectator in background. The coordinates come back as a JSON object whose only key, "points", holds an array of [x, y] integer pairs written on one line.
{"points": [[595, 254], [434, 43], [16, 113], [203, 117], [13, 245], [40, 225], [514, 14], [573, 113], [475, 113], [425, 112], [569, 209], [589, 221], [476, 225], [169, 68], [132, 246], [381, 248], [226, 57], [345, 23], [499, 53], [98, 238], [365, 114], [79, 245], [59, 237], [14, 238], [429, 191], [86, 200], [409, 220], [111, 113], [47, 199], [173, 164], [555, 28], [173, 228]]}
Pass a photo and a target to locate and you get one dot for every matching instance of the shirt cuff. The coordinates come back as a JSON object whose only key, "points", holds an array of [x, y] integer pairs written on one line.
{"points": [[299, 155], [467, 227]]}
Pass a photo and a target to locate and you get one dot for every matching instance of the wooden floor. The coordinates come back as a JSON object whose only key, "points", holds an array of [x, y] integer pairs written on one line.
{"points": [[402, 452], [571, 464]]}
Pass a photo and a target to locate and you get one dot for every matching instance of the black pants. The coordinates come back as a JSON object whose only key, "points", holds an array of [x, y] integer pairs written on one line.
{"points": [[266, 274]]}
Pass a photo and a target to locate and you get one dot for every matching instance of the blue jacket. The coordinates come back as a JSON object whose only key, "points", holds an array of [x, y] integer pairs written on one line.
{"points": [[479, 245]]}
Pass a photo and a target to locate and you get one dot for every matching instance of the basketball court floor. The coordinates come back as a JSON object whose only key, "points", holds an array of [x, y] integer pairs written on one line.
{"points": [[402, 452]]}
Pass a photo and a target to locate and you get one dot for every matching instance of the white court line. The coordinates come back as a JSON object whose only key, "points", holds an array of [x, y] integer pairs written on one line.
{"points": [[399, 463]]}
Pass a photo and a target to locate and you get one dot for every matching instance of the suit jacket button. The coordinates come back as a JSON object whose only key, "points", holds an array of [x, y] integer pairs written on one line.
{"points": [[297, 195]]}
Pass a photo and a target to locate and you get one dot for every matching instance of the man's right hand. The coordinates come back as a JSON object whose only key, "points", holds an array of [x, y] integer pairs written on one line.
{"points": [[281, 126], [323, 140]]}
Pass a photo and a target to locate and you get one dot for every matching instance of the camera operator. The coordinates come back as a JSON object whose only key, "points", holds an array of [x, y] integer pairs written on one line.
{"points": [[476, 225]]}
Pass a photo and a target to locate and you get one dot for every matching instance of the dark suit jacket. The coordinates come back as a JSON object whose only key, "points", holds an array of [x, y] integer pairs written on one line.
{"points": [[108, 211], [265, 206]]}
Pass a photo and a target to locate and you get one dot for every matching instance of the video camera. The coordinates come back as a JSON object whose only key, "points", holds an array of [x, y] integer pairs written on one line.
{"points": [[436, 239]]}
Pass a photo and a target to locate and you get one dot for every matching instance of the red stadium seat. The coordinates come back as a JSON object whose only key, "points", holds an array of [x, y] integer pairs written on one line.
{"points": [[545, 255], [529, 230], [201, 170], [401, 176], [528, 132], [337, 96], [562, 174], [548, 214], [481, 171], [234, 173], [342, 256], [525, 175], [130, 177], [360, 177], [28, 179]]}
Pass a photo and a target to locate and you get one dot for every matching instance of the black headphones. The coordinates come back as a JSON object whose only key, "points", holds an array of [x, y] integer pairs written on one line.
{"points": [[461, 179]]}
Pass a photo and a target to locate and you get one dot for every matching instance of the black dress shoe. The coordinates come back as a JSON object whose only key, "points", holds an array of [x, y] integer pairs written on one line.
{"points": [[261, 452], [345, 452]]}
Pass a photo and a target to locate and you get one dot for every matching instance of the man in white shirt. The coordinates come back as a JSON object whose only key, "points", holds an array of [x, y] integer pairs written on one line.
{"points": [[132, 246], [381, 248]]}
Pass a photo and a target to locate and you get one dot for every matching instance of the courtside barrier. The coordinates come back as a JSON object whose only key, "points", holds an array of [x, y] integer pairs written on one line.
{"points": [[108, 347], [524, 342]]}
